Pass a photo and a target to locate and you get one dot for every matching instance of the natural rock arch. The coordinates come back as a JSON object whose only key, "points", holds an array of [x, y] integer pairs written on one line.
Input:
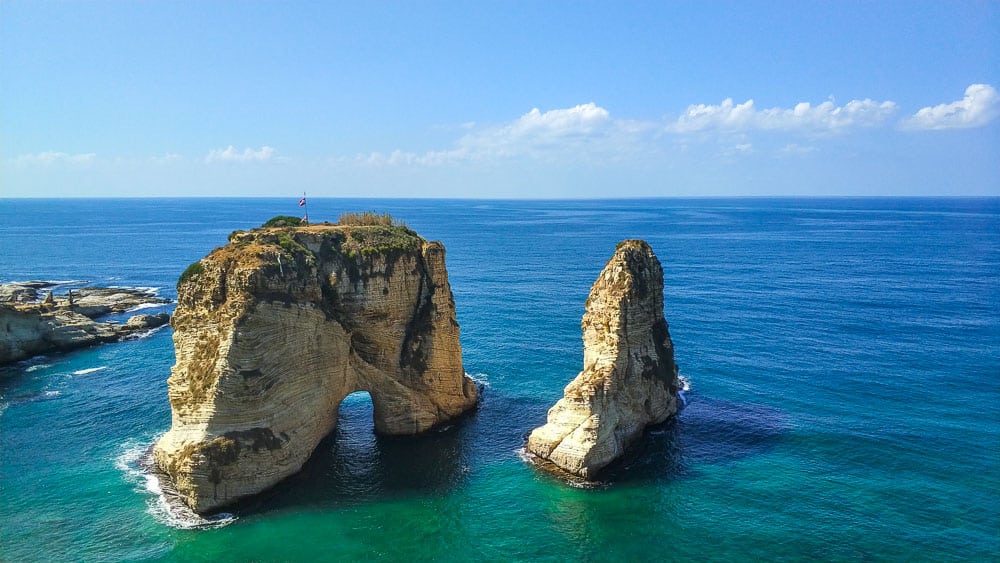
{"points": [[272, 331]]}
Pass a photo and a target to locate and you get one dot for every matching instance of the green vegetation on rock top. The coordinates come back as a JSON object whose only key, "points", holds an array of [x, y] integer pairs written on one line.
{"points": [[282, 221], [368, 219], [356, 235], [379, 239], [193, 270]]}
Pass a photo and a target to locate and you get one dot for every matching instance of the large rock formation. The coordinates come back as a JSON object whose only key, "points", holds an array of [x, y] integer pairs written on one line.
{"points": [[60, 324], [629, 379], [272, 331]]}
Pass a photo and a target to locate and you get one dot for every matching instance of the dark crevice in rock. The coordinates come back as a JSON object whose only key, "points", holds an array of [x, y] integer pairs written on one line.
{"points": [[418, 330]]}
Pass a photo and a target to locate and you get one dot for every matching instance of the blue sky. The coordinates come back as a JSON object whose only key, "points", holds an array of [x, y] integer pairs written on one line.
{"points": [[499, 99]]}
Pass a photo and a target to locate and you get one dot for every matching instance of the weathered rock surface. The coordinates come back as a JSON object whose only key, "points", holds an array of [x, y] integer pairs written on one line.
{"points": [[272, 331], [21, 292], [629, 379], [99, 301], [29, 327], [147, 322]]}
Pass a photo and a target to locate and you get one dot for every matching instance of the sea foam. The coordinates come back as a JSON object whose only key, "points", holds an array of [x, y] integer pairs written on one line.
{"points": [[136, 464], [89, 370], [142, 306]]}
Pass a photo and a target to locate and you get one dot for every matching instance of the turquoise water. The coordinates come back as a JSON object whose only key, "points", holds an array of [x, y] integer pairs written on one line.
{"points": [[843, 356]]}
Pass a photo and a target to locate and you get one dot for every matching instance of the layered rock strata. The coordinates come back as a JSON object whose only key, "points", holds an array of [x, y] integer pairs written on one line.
{"points": [[58, 324], [273, 330], [629, 379]]}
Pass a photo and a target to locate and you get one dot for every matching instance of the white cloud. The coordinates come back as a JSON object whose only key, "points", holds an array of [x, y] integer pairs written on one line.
{"points": [[53, 157], [403, 158], [588, 133], [576, 132], [232, 154], [537, 133], [580, 120], [825, 117], [980, 106]]}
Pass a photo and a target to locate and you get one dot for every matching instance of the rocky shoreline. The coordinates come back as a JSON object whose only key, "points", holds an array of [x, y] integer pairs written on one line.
{"points": [[31, 324]]}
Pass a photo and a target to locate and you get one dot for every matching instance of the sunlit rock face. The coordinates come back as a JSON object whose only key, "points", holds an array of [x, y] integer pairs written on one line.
{"points": [[629, 379], [274, 329]]}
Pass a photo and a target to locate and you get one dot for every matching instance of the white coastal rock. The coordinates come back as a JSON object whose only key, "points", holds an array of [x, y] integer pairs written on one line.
{"points": [[272, 331], [629, 379]]}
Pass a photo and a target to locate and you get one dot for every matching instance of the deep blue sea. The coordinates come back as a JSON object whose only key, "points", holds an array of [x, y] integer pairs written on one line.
{"points": [[843, 358]]}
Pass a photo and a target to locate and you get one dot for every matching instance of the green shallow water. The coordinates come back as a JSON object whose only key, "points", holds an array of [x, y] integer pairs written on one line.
{"points": [[843, 358]]}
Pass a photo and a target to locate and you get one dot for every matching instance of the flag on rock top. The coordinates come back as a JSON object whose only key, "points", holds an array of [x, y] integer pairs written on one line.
{"points": [[302, 203]]}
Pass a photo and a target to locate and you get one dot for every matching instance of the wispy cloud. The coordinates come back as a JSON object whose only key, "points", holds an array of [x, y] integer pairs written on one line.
{"points": [[584, 128], [232, 154], [825, 117], [53, 157], [168, 158], [404, 158], [795, 149], [980, 106], [588, 134], [577, 132]]}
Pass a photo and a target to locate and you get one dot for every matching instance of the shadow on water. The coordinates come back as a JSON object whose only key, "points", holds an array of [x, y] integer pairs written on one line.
{"points": [[355, 465], [707, 432], [24, 382]]}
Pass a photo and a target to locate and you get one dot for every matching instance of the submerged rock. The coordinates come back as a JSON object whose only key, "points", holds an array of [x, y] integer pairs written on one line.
{"points": [[146, 322], [272, 331], [629, 379]]}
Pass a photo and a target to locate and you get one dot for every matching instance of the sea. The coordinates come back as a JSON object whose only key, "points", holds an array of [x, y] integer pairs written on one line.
{"points": [[842, 360]]}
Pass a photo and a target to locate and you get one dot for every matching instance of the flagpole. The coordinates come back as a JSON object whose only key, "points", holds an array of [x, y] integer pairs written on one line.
{"points": [[305, 204]]}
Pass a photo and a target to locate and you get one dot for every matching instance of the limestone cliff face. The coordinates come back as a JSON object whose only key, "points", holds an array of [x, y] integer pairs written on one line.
{"points": [[272, 331], [629, 379]]}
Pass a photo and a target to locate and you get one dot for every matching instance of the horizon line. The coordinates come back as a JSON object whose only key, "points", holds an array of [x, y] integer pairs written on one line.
{"points": [[433, 198]]}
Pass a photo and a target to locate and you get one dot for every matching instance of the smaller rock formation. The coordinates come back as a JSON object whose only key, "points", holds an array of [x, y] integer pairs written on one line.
{"points": [[629, 379], [147, 322], [58, 324], [21, 292], [96, 302]]}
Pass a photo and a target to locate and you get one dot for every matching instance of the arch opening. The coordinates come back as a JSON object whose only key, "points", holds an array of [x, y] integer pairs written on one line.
{"points": [[354, 448]]}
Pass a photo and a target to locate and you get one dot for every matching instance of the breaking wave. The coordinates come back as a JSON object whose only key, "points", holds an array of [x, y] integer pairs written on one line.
{"points": [[143, 306], [89, 370], [136, 464], [685, 384], [480, 378], [146, 333]]}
